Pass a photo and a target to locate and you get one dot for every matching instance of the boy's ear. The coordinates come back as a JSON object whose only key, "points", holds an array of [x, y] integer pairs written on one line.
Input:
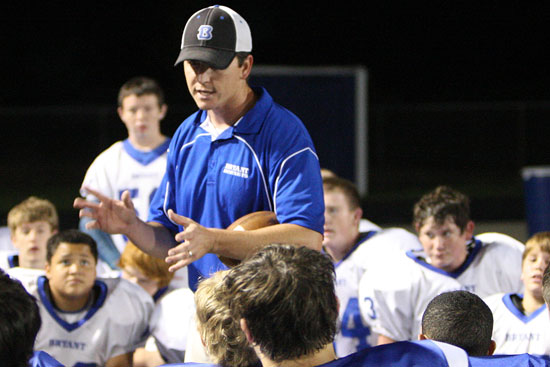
{"points": [[48, 269]]}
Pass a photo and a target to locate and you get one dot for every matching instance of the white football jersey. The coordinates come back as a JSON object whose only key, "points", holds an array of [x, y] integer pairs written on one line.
{"points": [[8, 259], [354, 333], [122, 167], [27, 276], [171, 322], [115, 324], [5, 239], [394, 293], [516, 333]]}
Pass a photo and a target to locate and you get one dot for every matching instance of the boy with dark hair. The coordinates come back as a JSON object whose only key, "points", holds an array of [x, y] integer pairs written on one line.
{"points": [[460, 318], [85, 319], [19, 324], [285, 300]]}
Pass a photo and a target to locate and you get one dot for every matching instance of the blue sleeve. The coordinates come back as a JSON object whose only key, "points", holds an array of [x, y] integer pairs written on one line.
{"points": [[298, 190]]}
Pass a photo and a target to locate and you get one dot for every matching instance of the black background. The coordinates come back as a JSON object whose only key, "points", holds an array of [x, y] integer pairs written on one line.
{"points": [[77, 54]]}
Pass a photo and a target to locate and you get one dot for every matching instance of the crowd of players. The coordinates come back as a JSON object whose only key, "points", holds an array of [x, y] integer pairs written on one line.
{"points": [[103, 299]]}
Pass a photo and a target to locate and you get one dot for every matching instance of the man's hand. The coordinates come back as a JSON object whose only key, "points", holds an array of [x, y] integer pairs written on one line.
{"points": [[195, 242], [109, 215]]}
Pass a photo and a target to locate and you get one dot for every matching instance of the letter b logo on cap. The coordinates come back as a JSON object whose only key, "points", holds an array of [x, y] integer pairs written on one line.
{"points": [[205, 33]]}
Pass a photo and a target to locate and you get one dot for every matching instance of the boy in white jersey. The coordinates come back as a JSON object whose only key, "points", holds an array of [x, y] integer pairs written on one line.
{"points": [[521, 320], [87, 320], [351, 250], [136, 164], [31, 223], [451, 258]]}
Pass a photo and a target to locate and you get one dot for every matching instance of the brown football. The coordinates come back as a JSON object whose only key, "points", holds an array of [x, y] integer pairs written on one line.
{"points": [[249, 222]]}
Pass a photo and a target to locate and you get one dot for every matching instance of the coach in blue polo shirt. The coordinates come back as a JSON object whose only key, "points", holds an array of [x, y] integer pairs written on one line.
{"points": [[240, 153]]}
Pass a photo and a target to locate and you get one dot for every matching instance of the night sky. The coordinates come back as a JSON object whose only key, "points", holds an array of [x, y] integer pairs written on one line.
{"points": [[80, 52]]}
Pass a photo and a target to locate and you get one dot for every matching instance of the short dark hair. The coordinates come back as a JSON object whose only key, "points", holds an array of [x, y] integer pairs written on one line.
{"points": [[286, 295], [241, 57], [20, 322], [140, 85], [70, 236], [546, 286], [442, 203], [347, 187], [459, 318]]}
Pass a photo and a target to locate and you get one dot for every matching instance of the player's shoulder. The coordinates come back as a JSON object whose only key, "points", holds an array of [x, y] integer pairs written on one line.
{"points": [[496, 241], [396, 237], [390, 270], [407, 353], [114, 150], [495, 300], [125, 294], [28, 277]]}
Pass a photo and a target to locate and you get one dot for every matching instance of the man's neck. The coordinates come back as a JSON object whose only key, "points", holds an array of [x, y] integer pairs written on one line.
{"points": [[237, 107], [323, 356]]}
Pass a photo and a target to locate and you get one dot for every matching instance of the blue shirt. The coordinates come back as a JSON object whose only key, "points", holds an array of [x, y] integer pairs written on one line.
{"points": [[266, 161]]}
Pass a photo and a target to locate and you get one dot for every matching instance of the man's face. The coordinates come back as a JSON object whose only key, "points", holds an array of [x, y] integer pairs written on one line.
{"points": [[71, 271], [532, 270], [341, 222], [142, 116], [30, 240], [215, 89], [445, 244]]}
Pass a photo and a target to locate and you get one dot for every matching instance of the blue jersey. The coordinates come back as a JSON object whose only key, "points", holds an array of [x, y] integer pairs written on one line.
{"points": [[407, 353], [266, 161], [43, 359], [511, 360], [400, 354]]}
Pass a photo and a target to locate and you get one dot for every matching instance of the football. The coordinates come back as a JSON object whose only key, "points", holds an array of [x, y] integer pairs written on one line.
{"points": [[249, 222]]}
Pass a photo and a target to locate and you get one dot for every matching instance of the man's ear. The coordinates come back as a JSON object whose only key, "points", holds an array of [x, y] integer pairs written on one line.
{"points": [[244, 328], [422, 337], [492, 348]]}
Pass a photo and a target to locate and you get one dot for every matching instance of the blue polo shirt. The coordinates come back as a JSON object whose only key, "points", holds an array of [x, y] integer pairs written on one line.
{"points": [[265, 162]]}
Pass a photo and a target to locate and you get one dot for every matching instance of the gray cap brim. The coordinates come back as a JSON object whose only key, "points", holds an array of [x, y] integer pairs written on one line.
{"points": [[216, 58]]}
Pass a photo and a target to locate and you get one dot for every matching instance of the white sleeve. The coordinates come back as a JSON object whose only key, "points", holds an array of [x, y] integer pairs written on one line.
{"points": [[172, 322], [98, 175], [133, 308], [385, 303]]}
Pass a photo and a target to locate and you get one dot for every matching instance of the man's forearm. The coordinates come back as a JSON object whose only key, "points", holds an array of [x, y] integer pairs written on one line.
{"points": [[241, 244], [152, 238]]}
